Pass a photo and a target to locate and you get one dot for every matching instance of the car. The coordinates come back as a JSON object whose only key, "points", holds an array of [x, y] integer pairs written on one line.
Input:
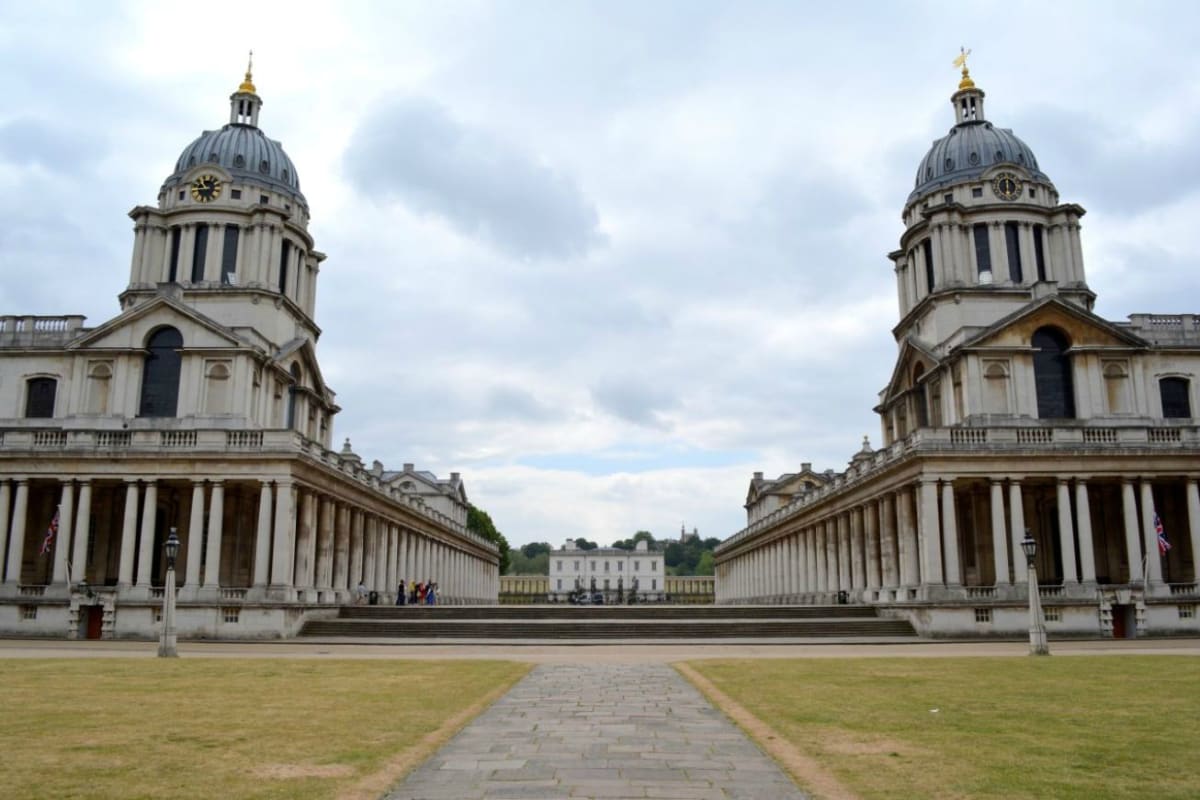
{"points": [[597, 599]]}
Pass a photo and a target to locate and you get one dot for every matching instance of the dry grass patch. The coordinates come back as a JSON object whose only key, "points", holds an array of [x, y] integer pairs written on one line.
{"points": [[1070, 727], [236, 728]]}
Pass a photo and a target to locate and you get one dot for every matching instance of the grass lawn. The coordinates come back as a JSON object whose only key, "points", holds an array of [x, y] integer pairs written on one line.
{"points": [[145, 728], [1065, 727]]}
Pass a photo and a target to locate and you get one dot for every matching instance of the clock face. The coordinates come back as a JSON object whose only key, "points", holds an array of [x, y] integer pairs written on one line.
{"points": [[206, 188], [1007, 186]]}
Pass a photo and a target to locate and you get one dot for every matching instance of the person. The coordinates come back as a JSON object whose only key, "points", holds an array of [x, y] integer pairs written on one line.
{"points": [[412, 592], [431, 594], [361, 593], [400, 593], [421, 593]]}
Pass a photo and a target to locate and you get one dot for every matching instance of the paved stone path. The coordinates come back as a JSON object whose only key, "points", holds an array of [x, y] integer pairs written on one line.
{"points": [[599, 731]]}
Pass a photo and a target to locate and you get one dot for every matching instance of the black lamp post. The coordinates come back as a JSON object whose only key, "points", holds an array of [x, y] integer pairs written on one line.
{"points": [[1037, 629], [166, 643]]}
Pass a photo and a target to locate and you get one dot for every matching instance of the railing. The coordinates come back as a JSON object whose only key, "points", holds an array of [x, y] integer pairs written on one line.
{"points": [[40, 330], [178, 438], [981, 591], [113, 439], [244, 439], [31, 591], [1050, 591], [992, 439], [1183, 588], [233, 594], [49, 439]]}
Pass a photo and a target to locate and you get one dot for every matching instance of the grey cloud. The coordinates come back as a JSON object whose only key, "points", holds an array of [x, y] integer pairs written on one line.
{"points": [[513, 403], [25, 141], [641, 401], [414, 151]]}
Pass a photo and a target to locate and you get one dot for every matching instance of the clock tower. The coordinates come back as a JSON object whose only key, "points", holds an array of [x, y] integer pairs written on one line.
{"points": [[985, 233], [229, 235]]}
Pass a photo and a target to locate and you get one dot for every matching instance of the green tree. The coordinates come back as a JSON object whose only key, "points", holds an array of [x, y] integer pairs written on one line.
{"points": [[706, 565], [480, 522], [584, 544], [532, 549]]}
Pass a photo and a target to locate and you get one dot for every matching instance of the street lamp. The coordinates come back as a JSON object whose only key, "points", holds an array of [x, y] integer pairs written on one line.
{"points": [[166, 643], [1037, 629]]}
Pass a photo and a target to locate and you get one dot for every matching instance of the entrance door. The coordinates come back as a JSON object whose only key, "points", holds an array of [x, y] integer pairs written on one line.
{"points": [[95, 621], [1124, 621]]}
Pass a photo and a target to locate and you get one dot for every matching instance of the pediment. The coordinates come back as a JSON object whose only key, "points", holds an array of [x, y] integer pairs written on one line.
{"points": [[130, 329], [912, 355], [1082, 328]]}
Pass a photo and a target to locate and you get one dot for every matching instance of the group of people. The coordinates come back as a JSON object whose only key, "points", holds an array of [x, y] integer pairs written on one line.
{"points": [[415, 593], [418, 593]]}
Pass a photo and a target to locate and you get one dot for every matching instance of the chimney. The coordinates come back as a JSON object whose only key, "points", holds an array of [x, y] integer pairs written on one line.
{"points": [[758, 476], [409, 468], [806, 466]]}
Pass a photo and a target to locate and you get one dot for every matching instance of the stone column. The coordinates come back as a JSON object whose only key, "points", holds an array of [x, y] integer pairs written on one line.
{"points": [[5, 509], [999, 534], [909, 554], [393, 557], [950, 535], [380, 538], [888, 544], [1066, 532], [870, 518], [195, 535], [16, 537], [356, 548], [305, 540], [822, 561], [1016, 525], [216, 530], [1193, 507], [62, 539], [1087, 553], [146, 538], [128, 535], [341, 550], [1154, 573], [930, 533], [1133, 549], [325, 548], [858, 573], [843, 550], [262, 536], [83, 520], [370, 551], [284, 544]]}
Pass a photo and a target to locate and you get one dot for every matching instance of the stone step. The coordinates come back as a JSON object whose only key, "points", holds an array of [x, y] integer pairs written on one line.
{"points": [[579, 613]]}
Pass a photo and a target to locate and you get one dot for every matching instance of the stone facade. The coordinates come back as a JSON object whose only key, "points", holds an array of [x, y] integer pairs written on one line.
{"points": [[201, 407], [608, 570], [1012, 408]]}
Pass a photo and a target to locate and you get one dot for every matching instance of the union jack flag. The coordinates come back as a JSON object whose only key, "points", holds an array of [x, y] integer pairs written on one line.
{"points": [[51, 532], [1163, 544]]}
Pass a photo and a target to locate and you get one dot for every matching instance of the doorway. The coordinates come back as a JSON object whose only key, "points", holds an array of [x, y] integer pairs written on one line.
{"points": [[1124, 622], [93, 621]]}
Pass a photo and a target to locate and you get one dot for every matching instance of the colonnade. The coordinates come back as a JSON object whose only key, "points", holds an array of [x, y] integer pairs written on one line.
{"points": [[906, 543], [307, 545]]}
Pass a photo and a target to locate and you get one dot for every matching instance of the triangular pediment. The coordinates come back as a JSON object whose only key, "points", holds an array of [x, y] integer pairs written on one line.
{"points": [[130, 329], [912, 354], [301, 351], [1083, 329]]}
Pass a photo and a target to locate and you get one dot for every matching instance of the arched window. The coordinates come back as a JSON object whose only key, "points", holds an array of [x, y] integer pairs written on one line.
{"points": [[39, 397], [1052, 374], [920, 406], [160, 375], [1176, 403], [293, 390]]}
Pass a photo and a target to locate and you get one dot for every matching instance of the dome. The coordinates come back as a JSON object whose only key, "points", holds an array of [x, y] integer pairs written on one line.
{"points": [[244, 151], [969, 150]]}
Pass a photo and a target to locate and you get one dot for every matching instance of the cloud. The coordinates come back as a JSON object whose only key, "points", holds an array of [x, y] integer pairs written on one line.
{"points": [[413, 151]]}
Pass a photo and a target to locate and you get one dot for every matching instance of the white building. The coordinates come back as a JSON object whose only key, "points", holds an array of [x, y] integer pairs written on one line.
{"points": [[201, 407], [1012, 407], [609, 570]]}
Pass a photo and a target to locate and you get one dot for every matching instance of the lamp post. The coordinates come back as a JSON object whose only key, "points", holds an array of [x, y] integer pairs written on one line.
{"points": [[166, 643], [1037, 629]]}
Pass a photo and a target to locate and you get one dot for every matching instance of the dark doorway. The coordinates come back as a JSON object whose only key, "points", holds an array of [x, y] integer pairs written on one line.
{"points": [[1124, 621], [94, 620]]}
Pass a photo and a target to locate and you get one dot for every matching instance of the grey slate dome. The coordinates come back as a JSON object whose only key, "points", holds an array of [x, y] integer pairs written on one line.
{"points": [[972, 147], [246, 152]]}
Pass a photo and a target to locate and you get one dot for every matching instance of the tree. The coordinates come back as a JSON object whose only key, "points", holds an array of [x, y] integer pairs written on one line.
{"points": [[532, 549], [674, 554], [584, 544], [480, 522], [706, 565]]}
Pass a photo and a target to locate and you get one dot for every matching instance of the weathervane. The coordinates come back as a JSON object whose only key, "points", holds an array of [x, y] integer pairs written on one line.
{"points": [[961, 61]]}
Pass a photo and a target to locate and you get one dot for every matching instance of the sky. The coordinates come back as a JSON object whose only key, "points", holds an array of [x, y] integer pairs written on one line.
{"points": [[605, 259]]}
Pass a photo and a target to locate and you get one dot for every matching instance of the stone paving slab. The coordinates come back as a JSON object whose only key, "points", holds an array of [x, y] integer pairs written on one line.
{"points": [[570, 731]]}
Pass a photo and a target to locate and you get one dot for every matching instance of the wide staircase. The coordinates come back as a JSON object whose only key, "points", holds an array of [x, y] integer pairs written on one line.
{"points": [[571, 623]]}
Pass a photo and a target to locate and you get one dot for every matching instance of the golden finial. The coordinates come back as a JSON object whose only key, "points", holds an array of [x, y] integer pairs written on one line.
{"points": [[961, 61], [248, 82]]}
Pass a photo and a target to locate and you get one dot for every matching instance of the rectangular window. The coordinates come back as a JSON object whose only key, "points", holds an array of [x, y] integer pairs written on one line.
{"points": [[620, 566], [577, 566], [235, 194], [560, 566], [948, 198], [1053, 614], [1039, 251], [983, 615], [264, 200], [606, 584], [927, 254], [637, 566], [606, 566], [29, 612], [1012, 244], [1187, 612], [229, 255], [39, 398], [560, 581], [977, 192], [173, 272], [654, 584], [285, 255], [1175, 401], [593, 566], [654, 566], [199, 253], [983, 249], [231, 614]]}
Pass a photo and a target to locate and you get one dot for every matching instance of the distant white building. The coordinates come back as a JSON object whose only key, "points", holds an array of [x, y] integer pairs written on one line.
{"points": [[609, 570]]}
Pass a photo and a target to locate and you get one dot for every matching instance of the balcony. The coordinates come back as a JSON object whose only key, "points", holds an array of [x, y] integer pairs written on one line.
{"points": [[31, 331]]}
